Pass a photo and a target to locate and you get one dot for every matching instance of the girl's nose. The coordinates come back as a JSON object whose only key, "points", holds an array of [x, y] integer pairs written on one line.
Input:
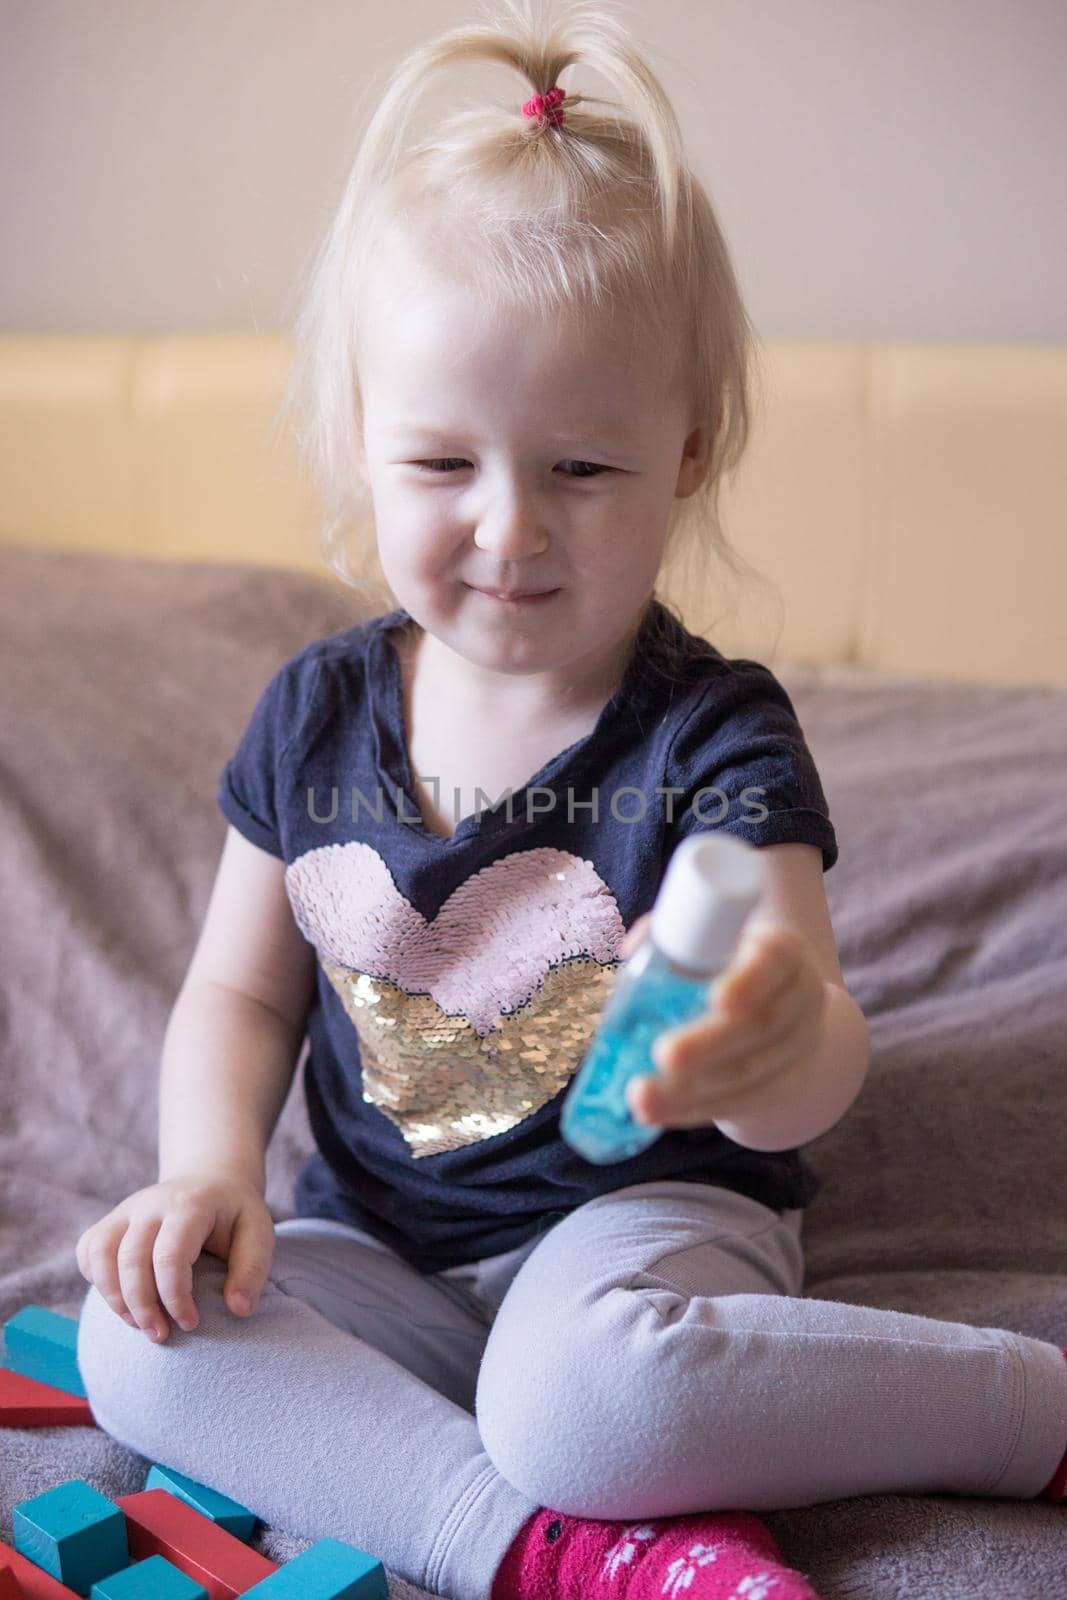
{"points": [[510, 525], [511, 534]]}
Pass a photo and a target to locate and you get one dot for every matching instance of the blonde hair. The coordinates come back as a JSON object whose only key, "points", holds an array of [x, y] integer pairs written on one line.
{"points": [[600, 212]]}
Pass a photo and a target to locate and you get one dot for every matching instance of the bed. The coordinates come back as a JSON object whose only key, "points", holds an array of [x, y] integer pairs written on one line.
{"points": [[158, 562]]}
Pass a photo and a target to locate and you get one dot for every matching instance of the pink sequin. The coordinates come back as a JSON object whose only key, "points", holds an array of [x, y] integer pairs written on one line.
{"points": [[470, 1021], [490, 945]]}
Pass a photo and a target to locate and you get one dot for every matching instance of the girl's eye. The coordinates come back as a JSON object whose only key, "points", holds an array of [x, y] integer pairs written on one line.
{"points": [[444, 462]]}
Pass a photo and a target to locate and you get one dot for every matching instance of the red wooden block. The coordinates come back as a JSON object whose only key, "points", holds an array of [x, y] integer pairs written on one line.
{"points": [[158, 1523], [9, 1585], [33, 1583], [26, 1403]]}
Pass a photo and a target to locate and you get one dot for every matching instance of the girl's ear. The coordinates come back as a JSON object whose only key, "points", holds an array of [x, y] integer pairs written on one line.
{"points": [[696, 457]]}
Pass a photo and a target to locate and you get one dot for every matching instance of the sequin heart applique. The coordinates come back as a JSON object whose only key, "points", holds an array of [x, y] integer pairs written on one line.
{"points": [[469, 1022]]}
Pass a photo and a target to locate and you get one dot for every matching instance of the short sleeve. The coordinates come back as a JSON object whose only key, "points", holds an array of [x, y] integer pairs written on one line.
{"points": [[250, 786], [740, 763]]}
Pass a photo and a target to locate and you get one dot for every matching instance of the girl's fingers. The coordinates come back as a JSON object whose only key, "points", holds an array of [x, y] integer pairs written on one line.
{"points": [[756, 983], [137, 1279], [696, 1105], [97, 1261], [251, 1252], [684, 1088], [681, 1049], [178, 1244]]}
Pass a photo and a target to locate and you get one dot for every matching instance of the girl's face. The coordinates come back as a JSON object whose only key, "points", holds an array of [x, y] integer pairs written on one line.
{"points": [[503, 453]]}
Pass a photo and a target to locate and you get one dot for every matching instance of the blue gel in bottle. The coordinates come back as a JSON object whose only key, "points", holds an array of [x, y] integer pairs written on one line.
{"points": [[712, 883]]}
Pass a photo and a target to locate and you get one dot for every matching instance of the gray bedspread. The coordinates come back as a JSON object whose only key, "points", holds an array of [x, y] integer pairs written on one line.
{"points": [[125, 685]]}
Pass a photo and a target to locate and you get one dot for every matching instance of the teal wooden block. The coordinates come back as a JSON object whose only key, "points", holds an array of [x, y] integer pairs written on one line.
{"points": [[73, 1532], [43, 1345], [218, 1508], [328, 1570], [153, 1579]]}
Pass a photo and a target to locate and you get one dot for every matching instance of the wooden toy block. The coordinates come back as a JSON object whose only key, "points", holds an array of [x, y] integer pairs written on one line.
{"points": [[9, 1585], [33, 1583], [26, 1403], [154, 1579], [326, 1570], [159, 1524], [73, 1532], [218, 1508], [43, 1345]]}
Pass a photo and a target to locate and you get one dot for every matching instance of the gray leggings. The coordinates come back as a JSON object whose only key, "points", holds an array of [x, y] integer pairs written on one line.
{"points": [[647, 1356]]}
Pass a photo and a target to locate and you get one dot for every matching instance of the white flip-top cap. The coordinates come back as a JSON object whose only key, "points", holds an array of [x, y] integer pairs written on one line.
{"points": [[712, 883]]}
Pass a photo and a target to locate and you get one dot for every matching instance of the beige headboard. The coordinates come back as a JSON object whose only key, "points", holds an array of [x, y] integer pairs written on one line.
{"points": [[908, 502]]}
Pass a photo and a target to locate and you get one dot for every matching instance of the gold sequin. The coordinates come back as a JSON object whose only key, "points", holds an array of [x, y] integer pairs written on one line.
{"points": [[442, 1084]]}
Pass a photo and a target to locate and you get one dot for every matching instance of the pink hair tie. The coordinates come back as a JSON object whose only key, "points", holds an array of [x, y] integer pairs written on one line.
{"points": [[544, 105]]}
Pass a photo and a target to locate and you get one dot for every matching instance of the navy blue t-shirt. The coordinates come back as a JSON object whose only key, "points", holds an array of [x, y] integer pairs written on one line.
{"points": [[459, 979]]}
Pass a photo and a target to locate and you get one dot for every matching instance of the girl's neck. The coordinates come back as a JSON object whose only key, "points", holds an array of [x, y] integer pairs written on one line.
{"points": [[522, 697]]}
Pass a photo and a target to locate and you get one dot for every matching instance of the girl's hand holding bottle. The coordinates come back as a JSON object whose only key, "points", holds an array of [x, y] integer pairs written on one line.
{"points": [[766, 1017], [140, 1255], [707, 1009]]}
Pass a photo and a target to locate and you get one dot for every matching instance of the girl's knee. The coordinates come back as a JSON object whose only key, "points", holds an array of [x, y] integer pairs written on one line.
{"points": [[560, 1456], [548, 1423], [138, 1390], [577, 1411], [116, 1368]]}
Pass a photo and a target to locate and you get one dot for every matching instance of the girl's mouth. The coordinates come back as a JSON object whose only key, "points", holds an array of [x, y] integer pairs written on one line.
{"points": [[528, 599]]}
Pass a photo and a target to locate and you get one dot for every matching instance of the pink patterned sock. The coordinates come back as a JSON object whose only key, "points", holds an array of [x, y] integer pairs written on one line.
{"points": [[712, 1555], [1056, 1487]]}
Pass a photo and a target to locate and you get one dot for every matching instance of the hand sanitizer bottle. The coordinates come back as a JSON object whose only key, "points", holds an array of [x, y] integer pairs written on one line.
{"points": [[711, 885]]}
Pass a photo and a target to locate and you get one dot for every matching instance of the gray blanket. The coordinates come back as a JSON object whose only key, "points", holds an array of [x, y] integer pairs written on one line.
{"points": [[125, 685]]}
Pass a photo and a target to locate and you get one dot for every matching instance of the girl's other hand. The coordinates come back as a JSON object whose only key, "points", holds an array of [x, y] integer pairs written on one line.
{"points": [[764, 1018], [140, 1255]]}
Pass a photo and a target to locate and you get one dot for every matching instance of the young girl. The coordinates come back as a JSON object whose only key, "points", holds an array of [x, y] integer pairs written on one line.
{"points": [[503, 1370]]}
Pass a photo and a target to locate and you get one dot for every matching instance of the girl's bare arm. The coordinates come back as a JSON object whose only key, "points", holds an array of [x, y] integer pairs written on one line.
{"points": [[237, 1025], [231, 1045]]}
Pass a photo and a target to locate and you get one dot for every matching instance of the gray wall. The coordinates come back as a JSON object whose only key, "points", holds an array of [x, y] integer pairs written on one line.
{"points": [[883, 169]]}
